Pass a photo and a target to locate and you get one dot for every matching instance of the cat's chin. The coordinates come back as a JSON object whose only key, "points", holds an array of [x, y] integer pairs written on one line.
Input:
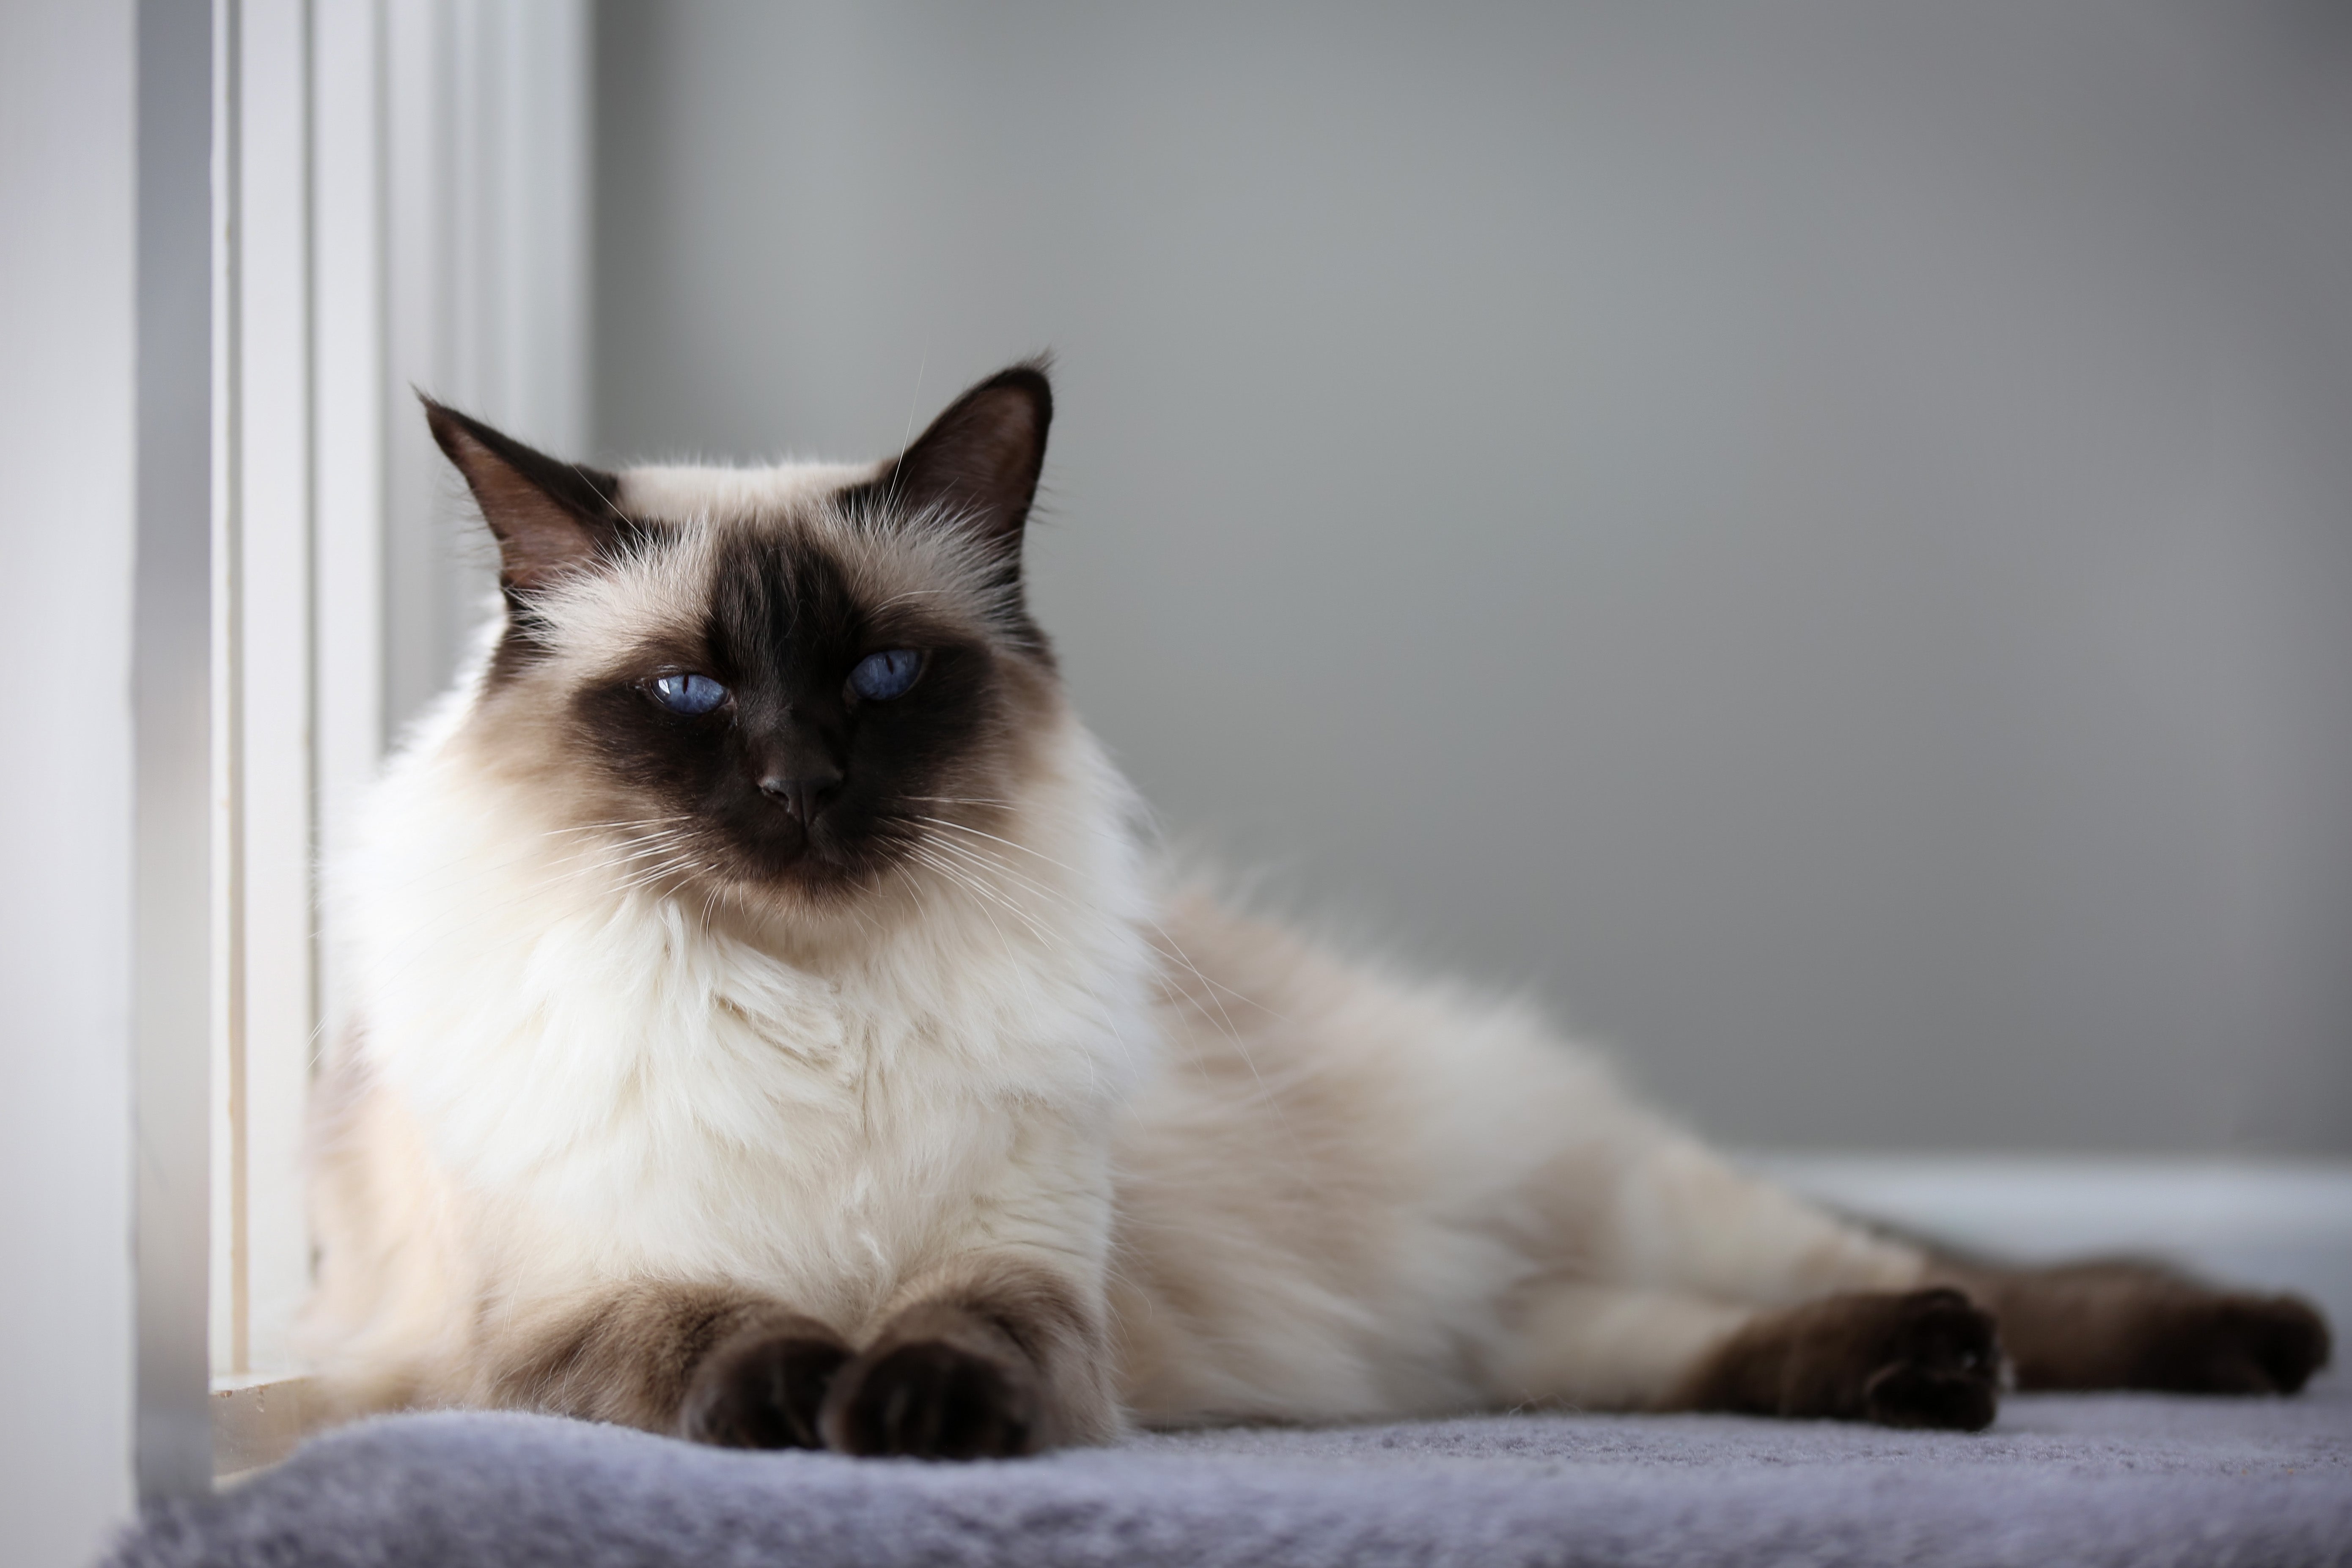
{"points": [[810, 896], [808, 870]]}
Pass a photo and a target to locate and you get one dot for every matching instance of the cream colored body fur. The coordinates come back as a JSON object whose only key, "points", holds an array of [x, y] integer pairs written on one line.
{"points": [[1295, 1188]]}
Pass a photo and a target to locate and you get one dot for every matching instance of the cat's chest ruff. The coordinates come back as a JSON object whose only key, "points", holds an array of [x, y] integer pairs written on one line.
{"points": [[678, 1053], [639, 1097]]}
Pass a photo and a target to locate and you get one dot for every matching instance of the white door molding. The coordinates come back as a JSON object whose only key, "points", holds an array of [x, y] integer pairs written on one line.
{"points": [[401, 193]]}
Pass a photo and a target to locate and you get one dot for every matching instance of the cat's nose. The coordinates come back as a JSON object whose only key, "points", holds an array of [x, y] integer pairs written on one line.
{"points": [[805, 796]]}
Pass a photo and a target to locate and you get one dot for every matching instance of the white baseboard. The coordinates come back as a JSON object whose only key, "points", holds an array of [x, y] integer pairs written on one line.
{"points": [[2286, 1227]]}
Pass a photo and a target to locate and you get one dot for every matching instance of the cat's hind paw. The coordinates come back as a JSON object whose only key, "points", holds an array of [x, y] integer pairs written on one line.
{"points": [[2234, 1344], [1945, 1366], [1917, 1358]]}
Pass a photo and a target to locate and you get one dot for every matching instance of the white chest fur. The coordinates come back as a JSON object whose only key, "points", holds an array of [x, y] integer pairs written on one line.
{"points": [[622, 1089]]}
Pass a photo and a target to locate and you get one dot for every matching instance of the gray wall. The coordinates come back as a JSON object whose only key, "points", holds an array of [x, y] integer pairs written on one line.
{"points": [[68, 436], [1817, 537]]}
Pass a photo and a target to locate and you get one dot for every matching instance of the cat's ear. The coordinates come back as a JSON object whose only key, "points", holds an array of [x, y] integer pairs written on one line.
{"points": [[549, 516], [979, 461]]}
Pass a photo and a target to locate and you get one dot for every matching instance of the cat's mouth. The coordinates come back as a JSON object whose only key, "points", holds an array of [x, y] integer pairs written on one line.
{"points": [[788, 847], [782, 852]]}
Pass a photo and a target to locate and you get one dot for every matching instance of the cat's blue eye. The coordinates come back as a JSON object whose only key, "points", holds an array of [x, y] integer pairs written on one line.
{"points": [[882, 676], [689, 693]]}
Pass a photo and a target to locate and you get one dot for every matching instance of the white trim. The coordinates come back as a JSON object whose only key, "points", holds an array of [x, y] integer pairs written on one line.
{"points": [[225, 1013], [265, 641], [350, 394], [403, 199], [274, 616], [170, 706]]}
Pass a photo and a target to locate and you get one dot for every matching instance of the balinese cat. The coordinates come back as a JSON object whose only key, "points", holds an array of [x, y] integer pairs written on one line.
{"points": [[774, 1028]]}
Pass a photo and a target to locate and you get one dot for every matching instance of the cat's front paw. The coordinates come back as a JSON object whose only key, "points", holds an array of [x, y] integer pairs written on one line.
{"points": [[1942, 1366], [762, 1390], [966, 1393]]}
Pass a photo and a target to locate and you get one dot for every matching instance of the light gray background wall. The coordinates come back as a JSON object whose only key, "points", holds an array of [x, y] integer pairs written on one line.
{"points": [[1818, 537], [69, 433]]}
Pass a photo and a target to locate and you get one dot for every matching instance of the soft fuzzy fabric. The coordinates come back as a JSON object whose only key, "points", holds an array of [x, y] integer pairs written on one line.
{"points": [[2131, 1479]]}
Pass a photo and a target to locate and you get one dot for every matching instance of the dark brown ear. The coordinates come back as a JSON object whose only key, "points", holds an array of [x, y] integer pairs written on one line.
{"points": [[979, 461], [549, 516]]}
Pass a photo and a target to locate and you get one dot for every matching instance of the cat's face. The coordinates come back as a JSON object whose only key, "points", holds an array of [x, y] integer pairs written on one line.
{"points": [[796, 683]]}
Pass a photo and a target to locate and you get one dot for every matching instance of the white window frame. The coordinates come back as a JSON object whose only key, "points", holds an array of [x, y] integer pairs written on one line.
{"points": [[401, 199]]}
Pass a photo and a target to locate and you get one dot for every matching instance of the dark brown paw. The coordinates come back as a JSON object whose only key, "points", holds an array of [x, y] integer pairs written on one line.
{"points": [[930, 1400], [761, 1391], [1943, 1365], [1921, 1358], [2234, 1344]]}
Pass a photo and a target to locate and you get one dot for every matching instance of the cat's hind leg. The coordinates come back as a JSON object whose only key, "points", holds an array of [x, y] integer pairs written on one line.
{"points": [[1582, 1346], [1917, 1358], [1672, 1281], [2124, 1323], [1678, 1217], [1675, 1215]]}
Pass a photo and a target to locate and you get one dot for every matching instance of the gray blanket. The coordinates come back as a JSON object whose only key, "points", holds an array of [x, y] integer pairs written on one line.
{"points": [[2123, 1480]]}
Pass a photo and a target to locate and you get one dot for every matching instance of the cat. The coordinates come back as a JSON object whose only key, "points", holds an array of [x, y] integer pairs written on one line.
{"points": [[773, 1026]]}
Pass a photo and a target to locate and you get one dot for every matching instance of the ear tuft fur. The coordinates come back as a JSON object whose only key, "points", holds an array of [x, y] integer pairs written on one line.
{"points": [[549, 516], [979, 461]]}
